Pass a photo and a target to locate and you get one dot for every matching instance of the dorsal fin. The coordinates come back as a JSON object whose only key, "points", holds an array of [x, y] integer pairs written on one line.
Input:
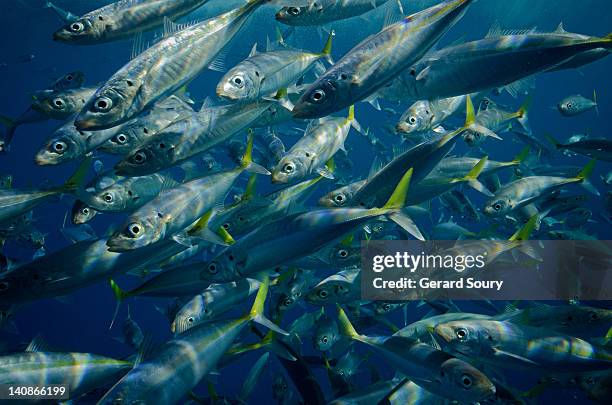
{"points": [[137, 46], [392, 17], [171, 28], [494, 31], [560, 28], [377, 164], [218, 63], [253, 50], [38, 344]]}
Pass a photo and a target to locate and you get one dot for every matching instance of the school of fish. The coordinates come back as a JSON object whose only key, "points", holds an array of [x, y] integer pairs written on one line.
{"points": [[278, 272]]}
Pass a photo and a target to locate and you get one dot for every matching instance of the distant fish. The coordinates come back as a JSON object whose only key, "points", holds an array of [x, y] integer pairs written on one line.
{"points": [[577, 104]]}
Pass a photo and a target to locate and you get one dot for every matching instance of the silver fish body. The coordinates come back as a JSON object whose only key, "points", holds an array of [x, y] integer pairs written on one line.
{"points": [[319, 144], [325, 11], [213, 302], [161, 70], [492, 62], [172, 211], [122, 19], [76, 266], [81, 372], [378, 59], [192, 135]]}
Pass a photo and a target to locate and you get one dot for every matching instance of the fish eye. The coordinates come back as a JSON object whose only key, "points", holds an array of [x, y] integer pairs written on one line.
{"points": [[324, 340], [121, 139], [190, 319], [103, 104], [238, 81], [4, 286], [318, 96], [339, 198], [293, 11], [387, 307], [134, 229], [569, 105], [466, 380], [58, 103], [108, 197], [226, 226], [412, 119], [593, 316], [288, 168], [322, 294], [461, 333], [59, 147], [287, 302], [212, 268], [85, 211], [69, 78], [139, 157], [497, 207], [343, 253], [77, 26]]}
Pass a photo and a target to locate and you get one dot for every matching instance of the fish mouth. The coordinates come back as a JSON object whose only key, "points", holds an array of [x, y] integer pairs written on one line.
{"points": [[402, 128], [277, 178], [43, 159], [58, 36], [84, 124], [302, 110], [118, 244]]}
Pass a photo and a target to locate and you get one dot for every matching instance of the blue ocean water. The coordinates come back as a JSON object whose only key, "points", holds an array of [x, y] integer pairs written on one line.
{"points": [[81, 322]]}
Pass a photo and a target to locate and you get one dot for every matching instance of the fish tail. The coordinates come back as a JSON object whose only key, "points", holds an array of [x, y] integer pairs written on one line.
{"points": [[472, 177], [392, 208], [257, 310], [524, 108], [346, 327], [326, 52], [526, 230], [120, 295], [77, 180], [398, 198], [586, 172], [354, 123], [247, 160], [521, 156], [595, 101], [471, 124]]}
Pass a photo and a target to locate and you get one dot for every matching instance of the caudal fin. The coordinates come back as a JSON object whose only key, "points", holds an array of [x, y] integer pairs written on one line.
{"points": [[472, 177], [346, 327], [397, 201], [76, 182], [471, 124], [326, 52], [257, 311], [586, 172], [247, 160], [521, 156], [120, 296]]}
